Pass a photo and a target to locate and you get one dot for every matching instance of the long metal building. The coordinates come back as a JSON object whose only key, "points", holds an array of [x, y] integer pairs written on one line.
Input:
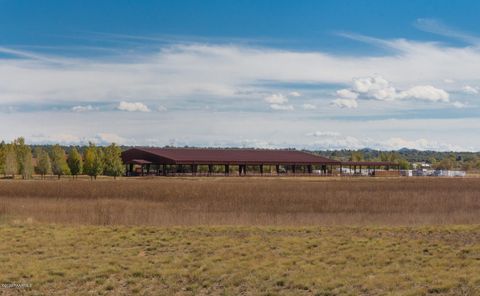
{"points": [[213, 161]]}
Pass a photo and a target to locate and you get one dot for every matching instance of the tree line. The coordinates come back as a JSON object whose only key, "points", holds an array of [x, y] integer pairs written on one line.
{"points": [[468, 161], [17, 158]]}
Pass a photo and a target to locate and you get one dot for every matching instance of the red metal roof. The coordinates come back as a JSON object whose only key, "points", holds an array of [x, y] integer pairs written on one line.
{"points": [[222, 156]]}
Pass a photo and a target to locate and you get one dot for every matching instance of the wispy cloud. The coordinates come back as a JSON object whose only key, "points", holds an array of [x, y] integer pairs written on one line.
{"points": [[181, 75], [30, 55], [276, 99], [308, 106], [470, 90], [84, 108], [224, 71], [437, 27], [282, 107]]}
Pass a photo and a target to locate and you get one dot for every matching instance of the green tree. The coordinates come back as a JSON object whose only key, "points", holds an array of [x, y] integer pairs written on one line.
{"points": [[11, 165], [44, 165], [3, 151], [356, 156], [27, 165], [93, 161], [24, 154], [445, 164], [59, 161], [75, 162], [113, 161], [404, 164]]}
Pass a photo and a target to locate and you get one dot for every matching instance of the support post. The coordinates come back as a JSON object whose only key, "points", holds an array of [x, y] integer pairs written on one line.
{"points": [[277, 168], [261, 169], [210, 169], [309, 169], [164, 169], [293, 169], [227, 170]]}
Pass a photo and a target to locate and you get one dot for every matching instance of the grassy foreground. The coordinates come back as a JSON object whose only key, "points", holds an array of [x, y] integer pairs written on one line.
{"points": [[121, 260]]}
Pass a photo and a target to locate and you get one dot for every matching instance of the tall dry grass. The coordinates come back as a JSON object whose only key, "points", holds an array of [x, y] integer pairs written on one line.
{"points": [[244, 201]]}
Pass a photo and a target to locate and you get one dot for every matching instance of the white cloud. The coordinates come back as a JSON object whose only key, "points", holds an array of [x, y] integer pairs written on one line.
{"points": [[282, 107], [375, 87], [345, 103], [470, 90], [378, 88], [309, 106], [279, 102], [347, 94], [85, 108], [162, 109], [459, 105], [133, 107], [425, 92], [276, 99], [295, 94]]}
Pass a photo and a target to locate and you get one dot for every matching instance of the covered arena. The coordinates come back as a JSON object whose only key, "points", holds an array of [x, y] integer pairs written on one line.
{"points": [[240, 162]]}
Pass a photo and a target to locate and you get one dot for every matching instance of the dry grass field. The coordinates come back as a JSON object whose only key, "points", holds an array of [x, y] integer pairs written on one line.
{"points": [[245, 201], [241, 236], [121, 260]]}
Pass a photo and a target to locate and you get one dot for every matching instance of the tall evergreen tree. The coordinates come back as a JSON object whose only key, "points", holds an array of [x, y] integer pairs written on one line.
{"points": [[113, 161], [59, 161], [93, 161], [75, 162], [44, 165]]}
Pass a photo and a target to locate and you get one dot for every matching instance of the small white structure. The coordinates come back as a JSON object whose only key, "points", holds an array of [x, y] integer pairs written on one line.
{"points": [[406, 173]]}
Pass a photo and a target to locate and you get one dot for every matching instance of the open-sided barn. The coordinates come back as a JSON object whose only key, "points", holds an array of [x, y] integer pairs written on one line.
{"points": [[168, 161]]}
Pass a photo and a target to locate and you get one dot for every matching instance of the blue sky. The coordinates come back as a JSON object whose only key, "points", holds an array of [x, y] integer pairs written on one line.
{"points": [[304, 74]]}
